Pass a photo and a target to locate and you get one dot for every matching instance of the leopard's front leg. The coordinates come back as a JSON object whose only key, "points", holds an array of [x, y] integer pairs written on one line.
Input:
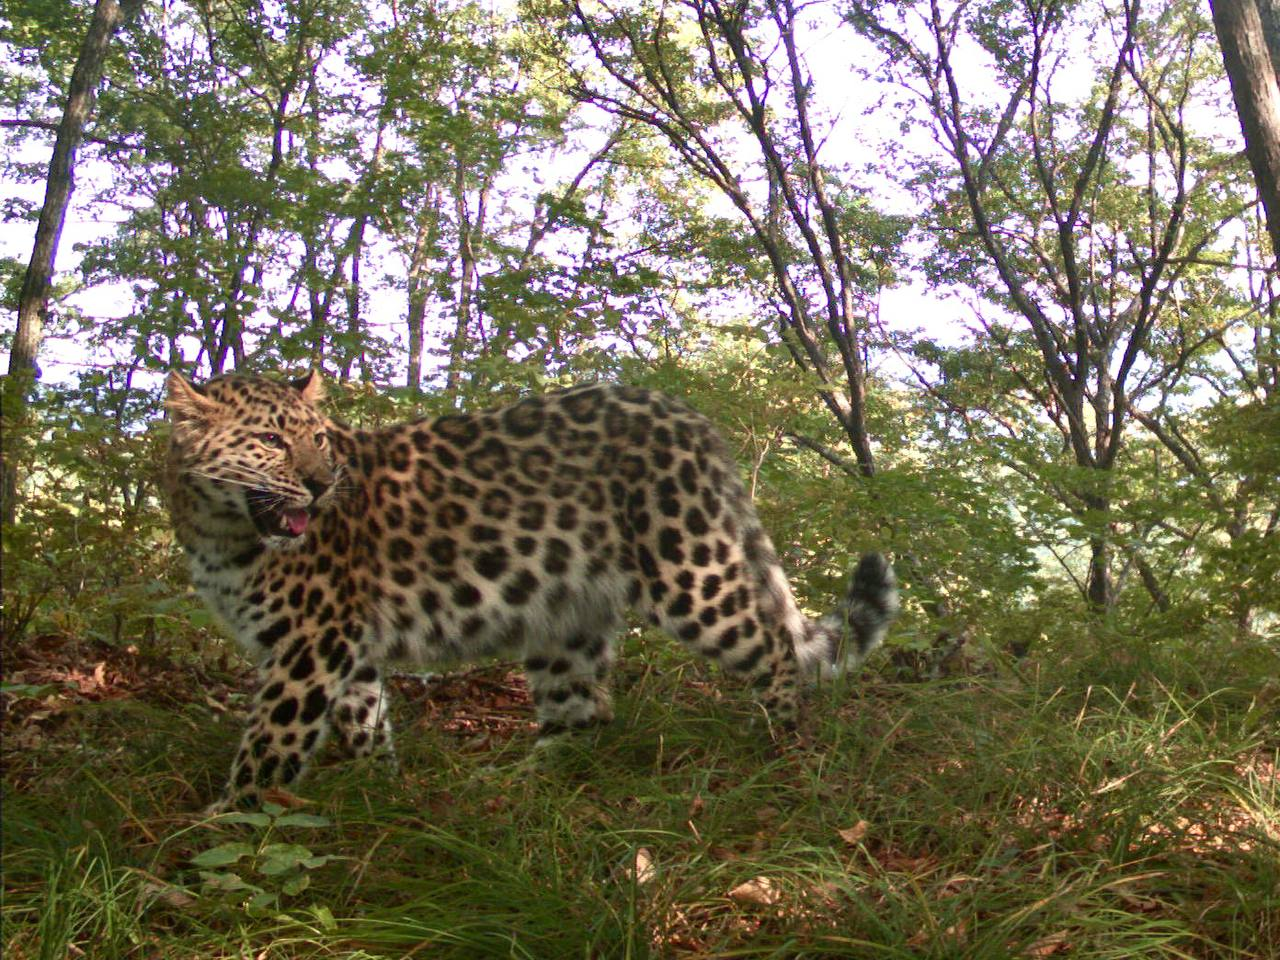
{"points": [[292, 716]]}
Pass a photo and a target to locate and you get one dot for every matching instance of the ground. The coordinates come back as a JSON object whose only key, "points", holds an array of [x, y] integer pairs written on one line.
{"points": [[1119, 803]]}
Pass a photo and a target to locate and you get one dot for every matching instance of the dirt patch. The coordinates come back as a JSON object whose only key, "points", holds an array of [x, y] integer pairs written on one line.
{"points": [[49, 676], [482, 706]]}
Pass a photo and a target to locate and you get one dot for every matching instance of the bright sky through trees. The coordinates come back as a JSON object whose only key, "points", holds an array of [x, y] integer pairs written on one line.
{"points": [[988, 240], [856, 134]]}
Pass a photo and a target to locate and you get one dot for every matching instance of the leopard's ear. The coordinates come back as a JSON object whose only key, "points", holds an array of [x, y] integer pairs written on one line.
{"points": [[311, 387], [185, 401]]}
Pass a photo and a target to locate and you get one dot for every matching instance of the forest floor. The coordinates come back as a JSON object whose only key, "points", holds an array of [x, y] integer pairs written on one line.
{"points": [[1121, 802]]}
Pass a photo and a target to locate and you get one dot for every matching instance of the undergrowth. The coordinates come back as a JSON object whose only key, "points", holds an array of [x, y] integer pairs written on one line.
{"points": [[1120, 801]]}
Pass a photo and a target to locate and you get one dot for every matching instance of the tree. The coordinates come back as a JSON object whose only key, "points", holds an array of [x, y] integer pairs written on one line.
{"points": [[1249, 53], [259, 175], [1083, 219], [712, 79], [108, 15]]}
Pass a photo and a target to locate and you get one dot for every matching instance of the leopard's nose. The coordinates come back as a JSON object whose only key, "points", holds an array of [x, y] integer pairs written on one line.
{"points": [[315, 487]]}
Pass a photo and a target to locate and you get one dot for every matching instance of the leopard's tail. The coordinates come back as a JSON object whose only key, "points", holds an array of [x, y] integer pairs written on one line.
{"points": [[869, 606]]}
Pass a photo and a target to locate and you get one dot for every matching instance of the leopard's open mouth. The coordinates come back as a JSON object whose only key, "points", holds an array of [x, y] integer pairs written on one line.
{"points": [[274, 518]]}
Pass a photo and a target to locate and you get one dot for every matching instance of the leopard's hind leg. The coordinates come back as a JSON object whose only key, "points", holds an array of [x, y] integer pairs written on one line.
{"points": [[569, 676], [715, 584], [361, 716]]}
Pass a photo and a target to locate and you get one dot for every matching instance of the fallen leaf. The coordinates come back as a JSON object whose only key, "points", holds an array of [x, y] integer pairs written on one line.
{"points": [[828, 891], [643, 869], [290, 801], [953, 884], [1050, 945], [167, 894], [851, 835], [1137, 902], [761, 892]]}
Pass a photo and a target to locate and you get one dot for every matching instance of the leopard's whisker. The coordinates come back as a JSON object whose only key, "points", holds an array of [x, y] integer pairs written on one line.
{"points": [[254, 483]]}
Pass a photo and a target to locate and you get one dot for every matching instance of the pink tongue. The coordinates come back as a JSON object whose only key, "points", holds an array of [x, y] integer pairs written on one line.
{"points": [[296, 521]]}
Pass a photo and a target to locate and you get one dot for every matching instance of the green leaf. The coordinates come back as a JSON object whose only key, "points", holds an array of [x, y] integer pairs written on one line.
{"points": [[222, 855], [280, 858], [263, 900], [295, 885], [295, 850], [252, 819], [277, 866], [307, 820], [225, 882]]}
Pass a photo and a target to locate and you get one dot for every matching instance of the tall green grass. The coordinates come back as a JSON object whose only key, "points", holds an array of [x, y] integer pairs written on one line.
{"points": [[1119, 802]]}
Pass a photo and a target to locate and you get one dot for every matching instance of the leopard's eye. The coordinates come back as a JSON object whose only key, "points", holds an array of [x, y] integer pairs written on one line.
{"points": [[321, 437], [271, 440]]}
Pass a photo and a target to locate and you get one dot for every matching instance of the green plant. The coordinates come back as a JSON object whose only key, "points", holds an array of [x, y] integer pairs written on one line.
{"points": [[283, 869]]}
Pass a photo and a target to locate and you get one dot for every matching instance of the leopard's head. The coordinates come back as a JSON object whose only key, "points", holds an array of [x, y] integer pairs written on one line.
{"points": [[250, 454]]}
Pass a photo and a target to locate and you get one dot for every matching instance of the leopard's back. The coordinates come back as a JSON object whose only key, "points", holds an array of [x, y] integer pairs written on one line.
{"points": [[487, 529]]}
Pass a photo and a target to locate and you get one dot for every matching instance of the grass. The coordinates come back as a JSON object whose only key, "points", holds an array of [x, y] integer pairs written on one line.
{"points": [[1116, 802]]}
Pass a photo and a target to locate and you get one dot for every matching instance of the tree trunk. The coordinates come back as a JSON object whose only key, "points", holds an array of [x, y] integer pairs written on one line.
{"points": [[1243, 37], [424, 245], [1101, 592], [36, 285], [469, 229], [353, 250]]}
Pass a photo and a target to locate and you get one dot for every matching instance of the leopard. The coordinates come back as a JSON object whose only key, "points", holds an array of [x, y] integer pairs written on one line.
{"points": [[334, 554]]}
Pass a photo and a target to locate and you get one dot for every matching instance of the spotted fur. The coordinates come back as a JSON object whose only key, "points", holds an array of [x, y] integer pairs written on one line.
{"points": [[527, 530]]}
